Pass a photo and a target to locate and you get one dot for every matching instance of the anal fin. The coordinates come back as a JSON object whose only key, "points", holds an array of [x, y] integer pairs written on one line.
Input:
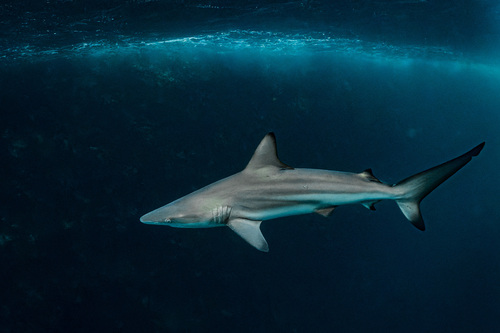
{"points": [[249, 230], [370, 205]]}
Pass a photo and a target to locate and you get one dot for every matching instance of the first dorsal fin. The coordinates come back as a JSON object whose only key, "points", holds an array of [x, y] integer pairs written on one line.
{"points": [[266, 155]]}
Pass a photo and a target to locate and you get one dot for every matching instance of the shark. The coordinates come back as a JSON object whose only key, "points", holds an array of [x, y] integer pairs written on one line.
{"points": [[268, 188]]}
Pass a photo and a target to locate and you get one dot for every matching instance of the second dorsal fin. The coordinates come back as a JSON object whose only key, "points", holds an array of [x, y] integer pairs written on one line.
{"points": [[368, 174]]}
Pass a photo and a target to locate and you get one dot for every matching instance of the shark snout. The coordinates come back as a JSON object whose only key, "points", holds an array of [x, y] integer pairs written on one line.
{"points": [[181, 214], [154, 218]]}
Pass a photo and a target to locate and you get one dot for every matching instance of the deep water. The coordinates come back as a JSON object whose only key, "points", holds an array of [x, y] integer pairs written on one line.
{"points": [[96, 133]]}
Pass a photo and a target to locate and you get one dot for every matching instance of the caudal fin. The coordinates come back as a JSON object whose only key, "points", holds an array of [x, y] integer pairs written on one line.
{"points": [[413, 189]]}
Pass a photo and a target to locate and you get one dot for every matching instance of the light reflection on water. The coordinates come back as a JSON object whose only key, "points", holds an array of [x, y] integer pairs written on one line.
{"points": [[229, 41], [257, 44]]}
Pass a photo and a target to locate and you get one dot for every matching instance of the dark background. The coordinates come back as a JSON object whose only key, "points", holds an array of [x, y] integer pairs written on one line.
{"points": [[93, 138]]}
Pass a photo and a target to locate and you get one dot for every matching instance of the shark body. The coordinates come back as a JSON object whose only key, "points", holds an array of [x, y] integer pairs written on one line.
{"points": [[267, 189]]}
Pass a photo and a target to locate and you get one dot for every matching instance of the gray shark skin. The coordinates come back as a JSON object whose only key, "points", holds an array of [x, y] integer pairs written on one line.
{"points": [[267, 188]]}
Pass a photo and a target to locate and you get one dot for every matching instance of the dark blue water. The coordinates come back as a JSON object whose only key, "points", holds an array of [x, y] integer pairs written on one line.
{"points": [[112, 109]]}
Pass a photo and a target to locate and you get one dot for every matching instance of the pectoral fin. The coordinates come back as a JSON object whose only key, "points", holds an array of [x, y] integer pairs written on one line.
{"points": [[249, 230]]}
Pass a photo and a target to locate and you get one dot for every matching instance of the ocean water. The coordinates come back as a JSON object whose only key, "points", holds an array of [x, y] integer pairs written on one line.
{"points": [[112, 109]]}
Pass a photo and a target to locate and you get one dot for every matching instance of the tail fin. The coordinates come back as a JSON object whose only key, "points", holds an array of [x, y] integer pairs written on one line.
{"points": [[416, 187]]}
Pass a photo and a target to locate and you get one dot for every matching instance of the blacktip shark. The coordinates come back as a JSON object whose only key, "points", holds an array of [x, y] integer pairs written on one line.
{"points": [[267, 189]]}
